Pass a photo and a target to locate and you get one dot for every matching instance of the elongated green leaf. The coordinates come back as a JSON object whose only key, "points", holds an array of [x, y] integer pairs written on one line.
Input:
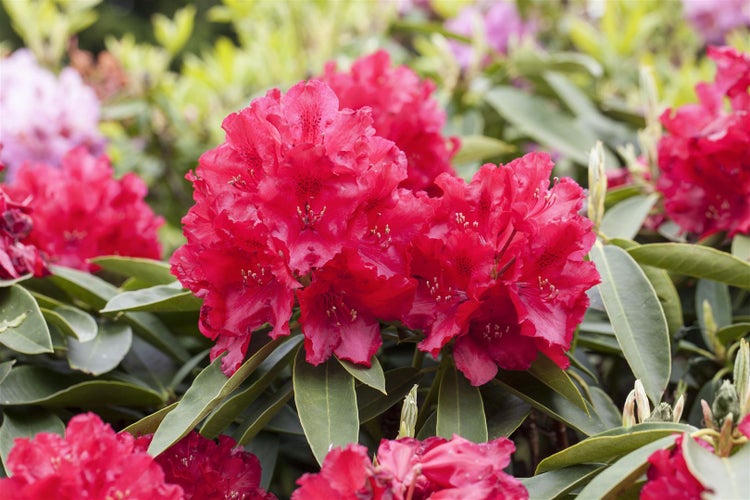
{"points": [[609, 445], [550, 402], [733, 332], [208, 389], [618, 477], [605, 408], [104, 352], [460, 408], [151, 329], [478, 147], [625, 219], [151, 272], [727, 477], [505, 412], [547, 372], [327, 404], [556, 483], [72, 322], [372, 376], [262, 412], [265, 446], [230, 408], [34, 385], [398, 382], [149, 423], [286, 421], [5, 369], [7, 283], [83, 286], [741, 247], [159, 298], [637, 317], [22, 326], [27, 424], [695, 260]]}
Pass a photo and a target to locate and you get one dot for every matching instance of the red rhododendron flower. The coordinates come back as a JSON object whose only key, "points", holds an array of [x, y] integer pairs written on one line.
{"points": [[502, 268], [744, 426], [403, 111], [300, 202], [16, 257], [705, 156], [91, 461], [435, 468], [204, 468], [669, 477], [81, 211]]}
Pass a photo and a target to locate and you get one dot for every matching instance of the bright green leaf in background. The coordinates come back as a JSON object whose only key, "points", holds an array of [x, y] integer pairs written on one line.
{"points": [[102, 353], [72, 321], [22, 326], [372, 376]]}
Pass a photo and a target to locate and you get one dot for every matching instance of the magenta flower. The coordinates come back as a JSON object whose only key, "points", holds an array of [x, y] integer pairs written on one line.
{"points": [[713, 19]]}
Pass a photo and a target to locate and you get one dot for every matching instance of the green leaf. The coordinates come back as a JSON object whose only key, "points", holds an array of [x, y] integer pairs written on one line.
{"points": [[460, 408], [476, 148], [620, 475], [733, 332], [22, 326], [398, 383], [261, 412], [159, 298], [148, 271], [72, 321], [726, 476], [229, 409], [625, 219], [266, 447], [7, 283], [505, 412], [151, 329], [637, 317], [208, 389], [372, 376], [149, 423], [5, 369], [547, 372], [695, 260], [27, 424], [104, 352], [611, 444], [83, 286], [556, 483], [741, 247], [540, 120], [327, 405], [34, 385]]}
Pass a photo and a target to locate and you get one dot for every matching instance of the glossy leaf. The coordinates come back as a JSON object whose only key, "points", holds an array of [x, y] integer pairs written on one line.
{"points": [[372, 376], [261, 412], [733, 332], [104, 352], [149, 423], [149, 271], [505, 412], [159, 298], [265, 446], [27, 424], [34, 385], [695, 260], [398, 382], [151, 329], [727, 477], [327, 404], [476, 148], [621, 474], [741, 247], [72, 321], [5, 368], [718, 298], [637, 317], [625, 219], [83, 286], [208, 389], [22, 326], [460, 408], [611, 444], [7, 283], [547, 372], [555, 484]]}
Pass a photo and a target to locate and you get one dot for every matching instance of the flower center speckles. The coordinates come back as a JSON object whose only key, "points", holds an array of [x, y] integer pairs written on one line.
{"points": [[258, 275], [384, 236], [308, 217], [439, 292], [74, 235], [547, 289], [341, 312], [494, 332], [462, 222]]}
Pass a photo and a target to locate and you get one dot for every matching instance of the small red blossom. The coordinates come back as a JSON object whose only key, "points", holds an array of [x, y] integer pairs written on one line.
{"points": [[435, 469], [669, 477], [17, 258], [744, 426], [403, 111], [705, 156], [204, 468], [91, 461], [80, 211]]}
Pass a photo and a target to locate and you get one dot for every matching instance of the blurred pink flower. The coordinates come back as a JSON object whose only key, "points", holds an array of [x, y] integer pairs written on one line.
{"points": [[713, 19]]}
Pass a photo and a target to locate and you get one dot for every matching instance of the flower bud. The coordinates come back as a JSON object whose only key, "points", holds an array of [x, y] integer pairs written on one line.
{"points": [[628, 411], [679, 406], [409, 412], [710, 328], [725, 403], [641, 401], [742, 376], [597, 185], [708, 416], [662, 413]]}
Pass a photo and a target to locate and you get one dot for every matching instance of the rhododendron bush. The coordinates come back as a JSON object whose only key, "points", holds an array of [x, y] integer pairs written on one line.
{"points": [[447, 251]]}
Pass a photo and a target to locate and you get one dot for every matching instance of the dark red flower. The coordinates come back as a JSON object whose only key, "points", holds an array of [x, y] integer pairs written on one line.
{"points": [[80, 211], [91, 461], [705, 156], [204, 468], [17, 258], [403, 111], [669, 477]]}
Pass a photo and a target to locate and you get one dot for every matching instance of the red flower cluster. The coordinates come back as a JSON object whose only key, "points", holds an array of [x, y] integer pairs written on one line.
{"points": [[669, 477], [80, 211], [436, 469], [91, 461], [301, 203], [705, 158], [206, 469], [403, 111], [17, 258]]}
